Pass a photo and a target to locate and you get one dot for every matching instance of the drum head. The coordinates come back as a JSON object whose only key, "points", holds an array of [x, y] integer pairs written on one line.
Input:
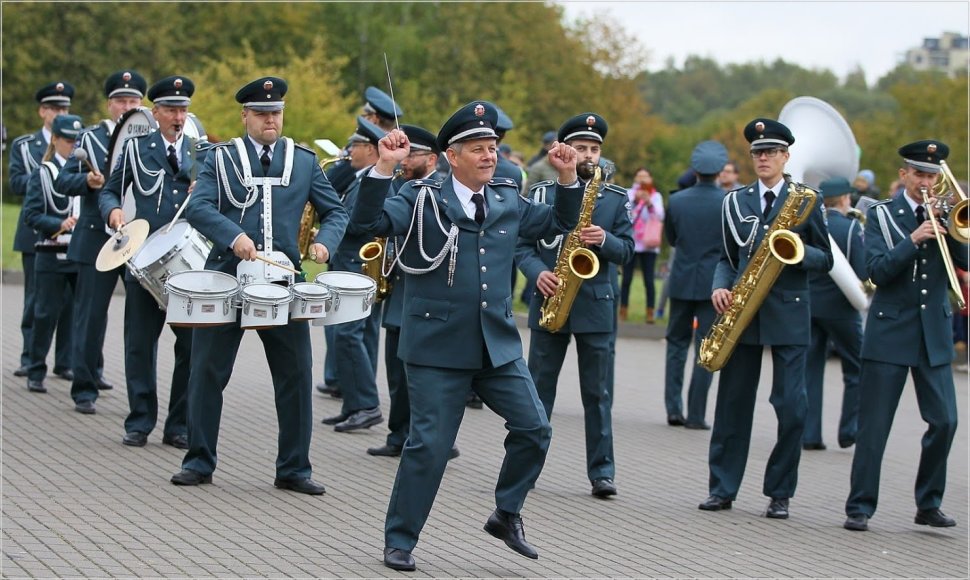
{"points": [[134, 123], [310, 290], [160, 243], [265, 293], [202, 283], [345, 280]]}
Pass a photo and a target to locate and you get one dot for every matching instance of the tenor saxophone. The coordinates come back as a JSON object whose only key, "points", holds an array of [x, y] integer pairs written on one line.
{"points": [[375, 257], [779, 248], [575, 264], [308, 230]]}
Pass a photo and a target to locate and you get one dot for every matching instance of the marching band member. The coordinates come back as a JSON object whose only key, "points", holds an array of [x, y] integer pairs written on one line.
{"points": [[592, 318], [835, 319], [124, 90], [692, 226], [458, 332], [242, 220], [53, 215], [25, 156], [156, 169], [908, 331], [782, 322]]}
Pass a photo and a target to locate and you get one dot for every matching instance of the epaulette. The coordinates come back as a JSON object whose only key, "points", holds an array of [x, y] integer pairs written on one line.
{"points": [[305, 148], [543, 183], [880, 202], [503, 181], [614, 188], [18, 140], [205, 145], [426, 183]]}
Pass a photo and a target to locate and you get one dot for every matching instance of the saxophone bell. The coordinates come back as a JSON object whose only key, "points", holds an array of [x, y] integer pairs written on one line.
{"points": [[372, 255]]}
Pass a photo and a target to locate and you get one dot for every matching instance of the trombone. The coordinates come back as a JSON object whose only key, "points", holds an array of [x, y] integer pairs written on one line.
{"points": [[951, 273], [957, 218]]}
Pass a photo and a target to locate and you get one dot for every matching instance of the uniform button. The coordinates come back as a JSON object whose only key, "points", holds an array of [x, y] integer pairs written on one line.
{"points": [[484, 269], [765, 227], [880, 313], [923, 260], [481, 251], [175, 191], [485, 287], [259, 246], [922, 306], [923, 291], [923, 276], [481, 234], [797, 299], [484, 305], [427, 315], [176, 206]]}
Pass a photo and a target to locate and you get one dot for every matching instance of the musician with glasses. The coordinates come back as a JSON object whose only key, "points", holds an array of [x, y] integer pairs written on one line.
{"points": [[26, 152], [124, 90], [156, 169], [592, 318], [908, 332], [249, 198], [782, 323], [835, 320]]}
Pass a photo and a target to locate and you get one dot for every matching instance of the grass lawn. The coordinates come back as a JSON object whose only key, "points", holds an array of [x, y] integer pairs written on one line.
{"points": [[10, 260]]}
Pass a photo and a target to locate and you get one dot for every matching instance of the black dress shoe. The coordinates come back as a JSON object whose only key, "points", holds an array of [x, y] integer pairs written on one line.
{"points": [[474, 402], [362, 419], [332, 390], [104, 385], [604, 487], [306, 485], [135, 439], [777, 509], [454, 453], [846, 443], [675, 420], [814, 446], [21, 372], [335, 419], [85, 408], [36, 386], [397, 559], [189, 477], [508, 528], [65, 374], [934, 518], [715, 504], [385, 451], [702, 426], [180, 441], [857, 523]]}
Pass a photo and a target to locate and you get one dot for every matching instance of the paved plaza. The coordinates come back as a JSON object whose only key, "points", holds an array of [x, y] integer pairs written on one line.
{"points": [[78, 503]]}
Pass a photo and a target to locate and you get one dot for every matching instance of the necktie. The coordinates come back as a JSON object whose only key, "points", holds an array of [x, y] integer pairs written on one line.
{"points": [[769, 199], [173, 159], [920, 214], [264, 159], [479, 201]]}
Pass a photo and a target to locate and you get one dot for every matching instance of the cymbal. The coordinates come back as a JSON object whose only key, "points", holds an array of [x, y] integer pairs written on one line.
{"points": [[121, 246]]}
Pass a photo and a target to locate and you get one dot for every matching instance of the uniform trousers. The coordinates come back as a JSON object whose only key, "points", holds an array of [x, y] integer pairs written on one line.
{"points": [[64, 344], [846, 334], [734, 412], [399, 417], [27, 318], [438, 397], [329, 358], [94, 290], [547, 351], [680, 333], [880, 388], [355, 350], [144, 322], [288, 354], [52, 292]]}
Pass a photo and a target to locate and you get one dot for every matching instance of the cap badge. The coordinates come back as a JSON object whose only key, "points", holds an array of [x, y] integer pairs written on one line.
{"points": [[267, 85], [77, 124], [178, 83], [479, 110], [590, 121], [931, 148], [759, 127], [60, 87], [126, 77]]}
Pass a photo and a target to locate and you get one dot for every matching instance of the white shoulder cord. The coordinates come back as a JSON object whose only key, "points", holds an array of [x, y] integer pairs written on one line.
{"points": [[884, 220], [87, 143], [133, 156], [540, 197], [29, 162], [731, 200], [47, 179], [451, 243], [246, 178], [848, 242]]}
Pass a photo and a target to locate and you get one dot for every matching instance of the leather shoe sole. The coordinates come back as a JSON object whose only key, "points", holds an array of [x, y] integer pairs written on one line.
{"points": [[715, 504], [397, 559], [814, 446], [385, 451], [857, 523], [307, 486], [846, 443], [189, 477], [85, 408], [501, 530], [176, 441], [134, 439]]}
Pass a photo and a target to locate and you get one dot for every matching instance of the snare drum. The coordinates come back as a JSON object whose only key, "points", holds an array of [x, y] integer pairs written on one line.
{"points": [[201, 298], [163, 254], [353, 295], [310, 301], [264, 305]]}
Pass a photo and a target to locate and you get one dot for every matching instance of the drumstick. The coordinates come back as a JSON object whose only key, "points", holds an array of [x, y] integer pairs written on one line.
{"points": [[59, 232], [82, 155], [277, 264], [178, 214]]}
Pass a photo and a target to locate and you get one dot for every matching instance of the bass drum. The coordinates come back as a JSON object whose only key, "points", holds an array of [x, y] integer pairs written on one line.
{"points": [[135, 123], [193, 128]]}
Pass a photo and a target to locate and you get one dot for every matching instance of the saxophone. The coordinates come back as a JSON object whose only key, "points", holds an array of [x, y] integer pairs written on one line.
{"points": [[375, 257], [780, 247], [308, 231], [575, 264]]}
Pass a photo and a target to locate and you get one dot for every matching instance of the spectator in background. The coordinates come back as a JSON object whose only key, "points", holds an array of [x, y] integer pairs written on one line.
{"points": [[648, 207], [728, 178], [865, 185], [539, 168]]}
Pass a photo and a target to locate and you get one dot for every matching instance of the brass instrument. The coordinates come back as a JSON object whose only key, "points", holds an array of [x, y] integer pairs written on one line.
{"points": [[857, 214], [308, 229], [374, 255], [575, 264], [951, 273], [779, 248], [957, 216]]}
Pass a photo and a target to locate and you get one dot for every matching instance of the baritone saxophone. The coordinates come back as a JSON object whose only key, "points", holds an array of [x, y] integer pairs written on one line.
{"points": [[575, 264], [779, 248]]}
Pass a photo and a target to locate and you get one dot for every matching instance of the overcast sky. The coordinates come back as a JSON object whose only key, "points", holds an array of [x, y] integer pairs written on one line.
{"points": [[838, 36]]}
